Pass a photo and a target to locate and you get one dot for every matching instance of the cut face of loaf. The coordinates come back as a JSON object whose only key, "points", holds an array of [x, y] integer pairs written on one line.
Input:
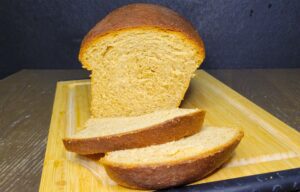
{"points": [[174, 163], [110, 134], [142, 59]]}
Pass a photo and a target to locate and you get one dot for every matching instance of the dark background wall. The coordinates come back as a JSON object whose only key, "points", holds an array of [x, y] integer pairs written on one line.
{"points": [[237, 33]]}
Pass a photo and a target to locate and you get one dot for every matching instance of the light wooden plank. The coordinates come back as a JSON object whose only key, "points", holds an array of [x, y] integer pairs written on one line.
{"points": [[268, 145]]}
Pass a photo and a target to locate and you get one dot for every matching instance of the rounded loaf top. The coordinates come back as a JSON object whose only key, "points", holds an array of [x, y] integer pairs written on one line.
{"points": [[142, 15]]}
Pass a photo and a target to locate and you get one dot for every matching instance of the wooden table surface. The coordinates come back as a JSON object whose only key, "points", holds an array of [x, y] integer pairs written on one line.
{"points": [[26, 100]]}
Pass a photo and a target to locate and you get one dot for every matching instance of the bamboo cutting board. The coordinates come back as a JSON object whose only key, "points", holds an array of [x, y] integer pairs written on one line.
{"points": [[268, 145]]}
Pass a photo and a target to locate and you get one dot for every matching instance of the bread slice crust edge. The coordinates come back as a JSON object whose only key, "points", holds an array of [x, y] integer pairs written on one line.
{"points": [[175, 173], [170, 130]]}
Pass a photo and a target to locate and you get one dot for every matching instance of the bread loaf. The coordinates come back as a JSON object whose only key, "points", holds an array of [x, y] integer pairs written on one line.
{"points": [[174, 163], [142, 57], [110, 134]]}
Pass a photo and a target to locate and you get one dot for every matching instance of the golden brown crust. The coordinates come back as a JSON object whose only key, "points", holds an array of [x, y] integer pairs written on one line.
{"points": [[167, 131], [142, 15], [95, 157], [174, 174]]}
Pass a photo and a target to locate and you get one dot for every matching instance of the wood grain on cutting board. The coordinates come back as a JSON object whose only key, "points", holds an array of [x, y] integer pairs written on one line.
{"points": [[268, 145]]}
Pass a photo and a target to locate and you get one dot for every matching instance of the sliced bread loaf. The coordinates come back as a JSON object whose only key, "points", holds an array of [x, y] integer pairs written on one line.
{"points": [[142, 57], [174, 163], [110, 134]]}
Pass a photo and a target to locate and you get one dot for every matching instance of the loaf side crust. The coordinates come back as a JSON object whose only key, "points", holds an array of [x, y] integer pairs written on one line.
{"points": [[179, 172], [167, 131]]}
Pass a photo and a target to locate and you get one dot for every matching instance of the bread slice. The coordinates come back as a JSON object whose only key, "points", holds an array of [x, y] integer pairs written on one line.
{"points": [[142, 57], [110, 134], [174, 163]]}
